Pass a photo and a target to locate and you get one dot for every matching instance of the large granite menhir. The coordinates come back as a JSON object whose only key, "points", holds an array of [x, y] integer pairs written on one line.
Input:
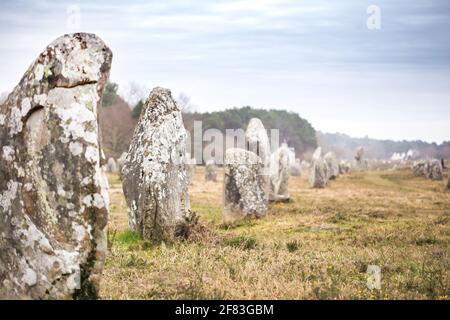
{"points": [[154, 174], [53, 194]]}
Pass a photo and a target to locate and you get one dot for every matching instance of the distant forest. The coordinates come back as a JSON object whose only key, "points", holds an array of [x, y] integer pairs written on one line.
{"points": [[118, 119], [295, 131], [344, 146]]}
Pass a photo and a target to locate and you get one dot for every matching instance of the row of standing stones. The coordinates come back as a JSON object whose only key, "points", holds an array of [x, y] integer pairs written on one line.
{"points": [[53, 192]]}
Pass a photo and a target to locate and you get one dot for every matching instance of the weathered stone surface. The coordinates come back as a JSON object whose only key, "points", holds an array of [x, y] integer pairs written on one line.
{"points": [[420, 168], [318, 174], [296, 168], [279, 174], [154, 173], [332, 165], [244, 192], [434, 170], [210, 171], [360, 163], [53, 195], [120, 163], [111, 166], [344, 167], [317, 154], [318, 171]]}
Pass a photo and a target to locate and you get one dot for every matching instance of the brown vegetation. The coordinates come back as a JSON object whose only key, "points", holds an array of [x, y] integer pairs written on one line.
{"points": [[317, 246]]}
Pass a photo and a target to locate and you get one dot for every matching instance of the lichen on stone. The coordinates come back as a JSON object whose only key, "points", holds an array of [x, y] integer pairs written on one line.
{"points": [[154, 174], [51, 242], [244, 186]]}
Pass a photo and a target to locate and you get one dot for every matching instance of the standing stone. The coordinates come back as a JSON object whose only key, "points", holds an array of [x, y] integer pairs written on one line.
{"points": [[111, 166], [420, 168], [53, 196], [360, 163], [318, 171], [332, 165], [344, 167], [244, 194], [120, 163], [154, 173], [318, 174], [211, 171], [258, 143], [317, 154], [434, 170], [296, 168], [279, 174]]}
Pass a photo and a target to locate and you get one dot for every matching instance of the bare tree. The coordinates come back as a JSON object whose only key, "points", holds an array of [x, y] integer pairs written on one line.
{"points": [[133, 92], [117, 126], [185, 103]]}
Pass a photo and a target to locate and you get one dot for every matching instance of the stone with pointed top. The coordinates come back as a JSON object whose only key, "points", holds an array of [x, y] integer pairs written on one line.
{"points": [[53, 195], [279, 174], [111, 166], [258, 143], [318, 170], [154, 173], [332, 165]]}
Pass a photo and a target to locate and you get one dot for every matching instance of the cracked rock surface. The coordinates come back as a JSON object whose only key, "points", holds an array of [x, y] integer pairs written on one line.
{"points": [[53, 195], [244, 192], [434, 170], [154, 173]]}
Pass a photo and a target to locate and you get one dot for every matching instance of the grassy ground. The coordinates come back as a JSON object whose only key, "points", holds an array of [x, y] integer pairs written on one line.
{"points": [[316, 247]]}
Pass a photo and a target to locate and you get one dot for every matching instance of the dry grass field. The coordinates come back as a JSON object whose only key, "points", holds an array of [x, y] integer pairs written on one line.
{"points": [[317, 246]]}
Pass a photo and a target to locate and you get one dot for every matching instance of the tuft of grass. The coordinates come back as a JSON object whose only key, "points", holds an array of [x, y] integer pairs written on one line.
{"points": [[293, 246]]}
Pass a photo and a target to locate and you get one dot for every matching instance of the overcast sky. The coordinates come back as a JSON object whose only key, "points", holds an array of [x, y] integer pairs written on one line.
{"points": [[317, 58]]}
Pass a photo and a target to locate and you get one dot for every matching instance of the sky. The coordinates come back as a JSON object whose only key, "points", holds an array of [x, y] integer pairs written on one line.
{"points": [[377, 68]]}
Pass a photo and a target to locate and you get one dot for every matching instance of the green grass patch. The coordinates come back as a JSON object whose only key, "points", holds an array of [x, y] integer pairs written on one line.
{"points": [[242, 241], [128, 237]]}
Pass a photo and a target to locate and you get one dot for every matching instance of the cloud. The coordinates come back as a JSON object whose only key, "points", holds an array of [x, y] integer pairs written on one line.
{"points": [[316, 57]]}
